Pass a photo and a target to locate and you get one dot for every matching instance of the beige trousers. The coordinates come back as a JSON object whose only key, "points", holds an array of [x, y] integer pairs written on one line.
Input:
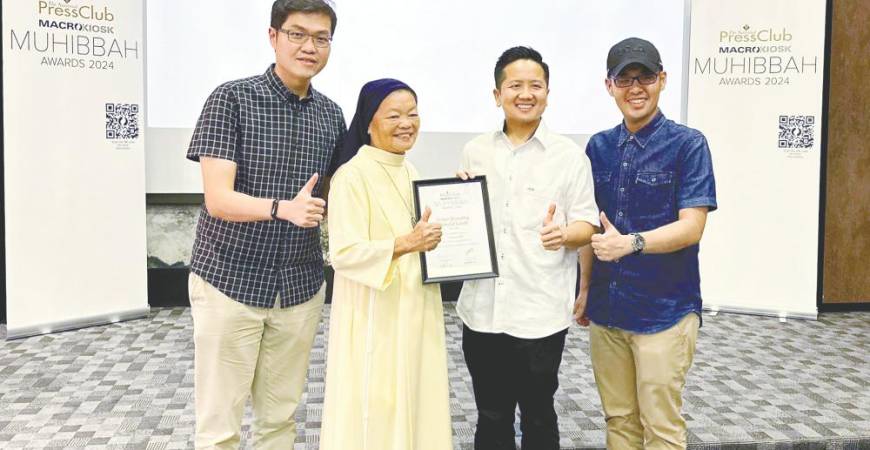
{"points": [[640, 380], [240, 351]]}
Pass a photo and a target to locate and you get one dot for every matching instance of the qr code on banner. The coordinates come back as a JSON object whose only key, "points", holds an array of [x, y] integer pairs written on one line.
{"points": [[122, 121], [796, 131]]}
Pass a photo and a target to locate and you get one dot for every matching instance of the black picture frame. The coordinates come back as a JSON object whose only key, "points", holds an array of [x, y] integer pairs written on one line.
{"points": [[480, 180]]}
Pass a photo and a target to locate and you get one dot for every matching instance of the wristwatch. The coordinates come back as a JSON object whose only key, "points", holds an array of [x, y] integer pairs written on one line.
{"points": [[637, 243]]}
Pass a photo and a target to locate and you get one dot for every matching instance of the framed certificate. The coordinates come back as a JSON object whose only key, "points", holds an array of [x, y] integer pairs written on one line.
{"points": [[467, 248]]}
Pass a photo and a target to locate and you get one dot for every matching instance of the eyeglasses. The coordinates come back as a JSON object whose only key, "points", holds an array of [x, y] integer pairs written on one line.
{"points": [[300, 37], [645, 79]]}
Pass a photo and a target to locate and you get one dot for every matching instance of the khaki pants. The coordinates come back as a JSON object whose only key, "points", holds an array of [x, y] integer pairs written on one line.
{"points": [[242, 350], [640, 380]]}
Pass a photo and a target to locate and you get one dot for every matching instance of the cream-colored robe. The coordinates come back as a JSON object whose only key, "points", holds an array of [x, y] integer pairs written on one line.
{"points": [[386, 368]]}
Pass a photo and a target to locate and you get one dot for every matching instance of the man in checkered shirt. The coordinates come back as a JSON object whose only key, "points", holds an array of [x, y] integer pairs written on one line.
{"points": [[256, 283]]}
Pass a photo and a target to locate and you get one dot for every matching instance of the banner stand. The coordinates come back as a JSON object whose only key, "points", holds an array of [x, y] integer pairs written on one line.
{"points": [[73, 164], [756, 85], [77, 323]]}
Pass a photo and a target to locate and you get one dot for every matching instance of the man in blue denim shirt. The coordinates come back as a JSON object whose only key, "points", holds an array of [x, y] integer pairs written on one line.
{"points": [[640, 285]]}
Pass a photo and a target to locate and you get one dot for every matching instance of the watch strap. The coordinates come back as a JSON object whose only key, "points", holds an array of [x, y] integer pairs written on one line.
{"points": [[274, 212]]}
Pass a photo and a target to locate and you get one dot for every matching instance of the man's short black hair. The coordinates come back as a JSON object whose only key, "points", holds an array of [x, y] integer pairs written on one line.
{"points": [[514, 54], [281, 9]]}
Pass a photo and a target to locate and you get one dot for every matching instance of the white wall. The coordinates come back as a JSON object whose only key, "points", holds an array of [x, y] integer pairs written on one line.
{"points": [[446, 50]]}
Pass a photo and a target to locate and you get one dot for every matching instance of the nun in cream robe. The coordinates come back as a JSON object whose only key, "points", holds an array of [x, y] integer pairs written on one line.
{"points": [[386, 370]]}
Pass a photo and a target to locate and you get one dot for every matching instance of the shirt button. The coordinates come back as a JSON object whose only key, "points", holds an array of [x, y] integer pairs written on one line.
{"points": [[507, 204], [619, 214], [622, 189], [653, 180], [624, 164]]}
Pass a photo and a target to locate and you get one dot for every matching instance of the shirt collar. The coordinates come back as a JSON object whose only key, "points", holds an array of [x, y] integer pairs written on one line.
{"points": [[541, 134], [643, 135], [278, 86]]}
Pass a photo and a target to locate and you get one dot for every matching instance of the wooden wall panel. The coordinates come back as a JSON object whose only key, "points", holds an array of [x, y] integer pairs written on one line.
{"points": [[847, 212]]}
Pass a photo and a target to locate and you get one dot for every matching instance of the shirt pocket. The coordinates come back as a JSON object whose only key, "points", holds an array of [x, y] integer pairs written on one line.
{"points": [[653, 195], [533, 202]]}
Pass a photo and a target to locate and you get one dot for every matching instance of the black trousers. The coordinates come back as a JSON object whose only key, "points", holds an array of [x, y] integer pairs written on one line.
{"points": [[507, 371]]}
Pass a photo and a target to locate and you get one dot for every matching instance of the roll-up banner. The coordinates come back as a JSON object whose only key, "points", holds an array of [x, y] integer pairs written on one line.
{"points": [[74, 163], [755, 90]]}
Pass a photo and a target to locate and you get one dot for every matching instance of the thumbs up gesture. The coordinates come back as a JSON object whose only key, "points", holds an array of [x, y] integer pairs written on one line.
{"points": [[304, 210], [425, 236], [553, 235], [611, 244]]}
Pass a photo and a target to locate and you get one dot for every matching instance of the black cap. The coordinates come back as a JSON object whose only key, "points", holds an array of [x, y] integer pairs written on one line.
{"points": [[633, 51]]}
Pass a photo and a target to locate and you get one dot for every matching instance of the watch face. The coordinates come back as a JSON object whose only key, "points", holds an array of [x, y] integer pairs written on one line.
{"points": [[638, 243]]}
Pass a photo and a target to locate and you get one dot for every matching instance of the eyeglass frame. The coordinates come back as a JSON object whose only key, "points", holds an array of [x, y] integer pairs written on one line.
{"points": [[305, 37], [637, 78]]}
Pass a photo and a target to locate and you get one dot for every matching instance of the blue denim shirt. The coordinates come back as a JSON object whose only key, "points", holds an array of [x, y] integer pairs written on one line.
{"points": [[641, 183]]}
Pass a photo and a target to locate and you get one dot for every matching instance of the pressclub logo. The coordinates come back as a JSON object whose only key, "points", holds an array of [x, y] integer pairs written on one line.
{"points": [[747, 35], [86, 12]]}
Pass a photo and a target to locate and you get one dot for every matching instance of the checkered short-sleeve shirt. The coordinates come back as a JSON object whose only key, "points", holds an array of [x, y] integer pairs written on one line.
{"points": [[277, 142]]}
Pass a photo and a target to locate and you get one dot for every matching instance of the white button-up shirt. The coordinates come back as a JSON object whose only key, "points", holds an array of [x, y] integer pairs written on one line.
{"points": [[533, 296]]}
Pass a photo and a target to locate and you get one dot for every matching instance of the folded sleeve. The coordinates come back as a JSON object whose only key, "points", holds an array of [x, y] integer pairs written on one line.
{"points": [[697, 186], [216, 131], [581, 194]]}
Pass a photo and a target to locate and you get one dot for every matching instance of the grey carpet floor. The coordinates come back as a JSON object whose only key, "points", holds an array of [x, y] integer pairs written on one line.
{"points": [[756, 384]]}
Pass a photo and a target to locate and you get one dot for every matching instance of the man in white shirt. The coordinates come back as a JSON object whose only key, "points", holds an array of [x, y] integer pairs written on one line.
{"points": [[543, 208]]}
